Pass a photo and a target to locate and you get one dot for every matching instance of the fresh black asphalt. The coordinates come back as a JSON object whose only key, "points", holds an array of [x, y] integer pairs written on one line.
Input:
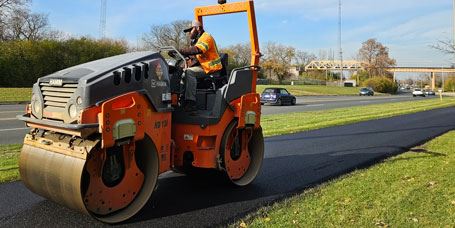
{"points": [[292, 163]]}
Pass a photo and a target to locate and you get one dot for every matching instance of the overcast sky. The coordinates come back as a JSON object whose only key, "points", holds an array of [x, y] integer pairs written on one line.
{"points": [[407, 27]]}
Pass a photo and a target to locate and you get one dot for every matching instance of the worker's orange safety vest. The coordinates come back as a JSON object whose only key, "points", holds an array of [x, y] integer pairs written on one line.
{"points": [[209, 59]]}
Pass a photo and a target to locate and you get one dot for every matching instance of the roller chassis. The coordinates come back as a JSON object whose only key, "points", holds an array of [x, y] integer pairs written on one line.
{"points": [[102, 132]]}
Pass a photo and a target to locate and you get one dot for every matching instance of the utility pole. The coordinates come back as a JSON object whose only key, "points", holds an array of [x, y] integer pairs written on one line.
{"points": [[453, 28], [103, 19], [340, 41]]}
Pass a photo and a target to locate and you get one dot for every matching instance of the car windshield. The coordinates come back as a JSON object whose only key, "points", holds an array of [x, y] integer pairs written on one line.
{"points": [[416, 89], [269, 91], [364, 89]]}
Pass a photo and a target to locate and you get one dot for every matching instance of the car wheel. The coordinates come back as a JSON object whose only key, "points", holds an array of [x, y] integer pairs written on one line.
{"points": [[279, 102], [294, 101], [262, 103], [414, 95]]}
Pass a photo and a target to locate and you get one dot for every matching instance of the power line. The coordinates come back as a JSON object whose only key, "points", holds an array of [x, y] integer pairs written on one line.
{"points": [[103, 18]]}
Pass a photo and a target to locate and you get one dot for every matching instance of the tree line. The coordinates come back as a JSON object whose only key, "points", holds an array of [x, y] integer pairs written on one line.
{"points": [[29, 49]]}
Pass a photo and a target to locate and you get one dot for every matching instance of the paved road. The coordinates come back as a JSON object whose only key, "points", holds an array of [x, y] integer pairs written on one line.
{"points": [[315, 103], [12, 130], [292, 163]]}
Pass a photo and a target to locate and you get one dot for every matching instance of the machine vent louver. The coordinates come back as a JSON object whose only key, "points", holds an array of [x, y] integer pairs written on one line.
{"points": [[56, 97]]}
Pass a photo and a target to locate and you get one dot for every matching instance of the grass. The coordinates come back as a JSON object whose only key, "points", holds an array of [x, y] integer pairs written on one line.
{"points": [[311, 90], [9, 158], [296, 122], [415, 189], [11, 95]]}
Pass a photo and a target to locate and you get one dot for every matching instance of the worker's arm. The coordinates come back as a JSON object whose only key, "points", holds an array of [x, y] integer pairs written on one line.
{"points": [[193, 50]]}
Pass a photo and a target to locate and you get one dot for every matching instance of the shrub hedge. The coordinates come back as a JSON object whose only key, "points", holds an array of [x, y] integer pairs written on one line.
{"points": [[382, 85], [23, 62]]}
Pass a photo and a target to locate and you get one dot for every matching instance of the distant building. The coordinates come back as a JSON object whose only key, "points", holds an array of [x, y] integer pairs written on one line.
{"points": [[350, 83]]}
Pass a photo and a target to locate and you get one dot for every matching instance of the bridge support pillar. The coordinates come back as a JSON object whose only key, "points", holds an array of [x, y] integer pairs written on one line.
{"points": [[433, 81]]}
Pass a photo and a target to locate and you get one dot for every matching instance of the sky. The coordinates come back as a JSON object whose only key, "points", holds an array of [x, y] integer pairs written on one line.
{"points": [[407, 27]]}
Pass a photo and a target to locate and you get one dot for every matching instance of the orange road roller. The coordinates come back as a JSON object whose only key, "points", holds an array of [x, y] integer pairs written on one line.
{"points": [[102, 132]]}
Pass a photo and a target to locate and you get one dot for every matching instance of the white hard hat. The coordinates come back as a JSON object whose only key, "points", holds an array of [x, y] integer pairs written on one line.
{"points": [[194, 23]]}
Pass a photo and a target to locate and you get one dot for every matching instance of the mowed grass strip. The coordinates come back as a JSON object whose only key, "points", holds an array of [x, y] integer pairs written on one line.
{"points": [[309, 90], [9, 159], [415, 189], [304, 121], [10, 95], [285, 124]]}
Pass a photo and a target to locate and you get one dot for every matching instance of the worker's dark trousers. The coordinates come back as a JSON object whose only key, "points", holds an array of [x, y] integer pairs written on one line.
{"points": [[191, 82]]}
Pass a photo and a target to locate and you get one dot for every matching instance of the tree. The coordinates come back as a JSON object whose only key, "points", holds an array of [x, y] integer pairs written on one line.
{"points": [[6, 9], [303, 58], [278, 59], [28, 26], [446, 47], [449, 85], [239, 55], [17, 22], [167, 35], [375, 58]]}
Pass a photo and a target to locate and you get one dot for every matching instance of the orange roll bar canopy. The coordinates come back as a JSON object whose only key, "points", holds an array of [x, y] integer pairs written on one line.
{"points": [[236, 7]]}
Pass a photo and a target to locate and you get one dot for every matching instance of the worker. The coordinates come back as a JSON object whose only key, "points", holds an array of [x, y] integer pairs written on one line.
{"points": [[203, 60]]}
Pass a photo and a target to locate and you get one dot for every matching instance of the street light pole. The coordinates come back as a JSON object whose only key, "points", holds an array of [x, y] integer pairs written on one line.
{"points": [[442, 75]]}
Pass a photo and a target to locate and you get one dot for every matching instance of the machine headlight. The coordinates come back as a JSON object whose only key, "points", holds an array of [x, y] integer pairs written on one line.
{"points": [[36, 104], [72, 110], [79, 100]]}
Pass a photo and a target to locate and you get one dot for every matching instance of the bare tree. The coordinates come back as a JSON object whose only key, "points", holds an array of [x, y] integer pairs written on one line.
{"points": [[24, 25], [7, 7], [375, 57], [167, 35], [278, 59], [17, 22], [239, 55], [445, 46], [303, 58]]}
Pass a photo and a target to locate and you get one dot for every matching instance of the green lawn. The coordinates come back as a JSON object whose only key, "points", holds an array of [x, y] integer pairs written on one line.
{"points": [[415, 189], [10, 95], [9, 157], [309, 90]]}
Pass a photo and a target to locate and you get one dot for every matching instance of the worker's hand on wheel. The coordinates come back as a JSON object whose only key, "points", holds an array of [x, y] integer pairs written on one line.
{"points": [[172, 53]]}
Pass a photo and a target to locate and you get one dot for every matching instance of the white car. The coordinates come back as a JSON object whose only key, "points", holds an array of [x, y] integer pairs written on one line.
{"points": [[418, 92]]}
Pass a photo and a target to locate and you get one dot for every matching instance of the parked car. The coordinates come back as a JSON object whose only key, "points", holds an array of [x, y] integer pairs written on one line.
{"points": [[429, 92], [418, 92], [277, 96], [366, 92]]}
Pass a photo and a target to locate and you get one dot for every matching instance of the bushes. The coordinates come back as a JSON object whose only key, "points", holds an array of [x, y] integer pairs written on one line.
{"points": [[23, 62], [449, 85], [381, 84]]}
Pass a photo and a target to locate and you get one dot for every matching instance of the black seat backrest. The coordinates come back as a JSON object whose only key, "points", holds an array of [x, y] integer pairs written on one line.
{"points": [[218, 78], [225, 62], [239, 84]]}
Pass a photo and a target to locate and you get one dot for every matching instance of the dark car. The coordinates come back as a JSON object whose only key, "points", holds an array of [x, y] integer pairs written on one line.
{"points": [[366, 92], [429, 92], [277, 96]]}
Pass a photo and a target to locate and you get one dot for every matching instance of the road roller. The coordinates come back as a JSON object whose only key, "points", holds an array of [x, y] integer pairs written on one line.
{"points": [[102, 132]]}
